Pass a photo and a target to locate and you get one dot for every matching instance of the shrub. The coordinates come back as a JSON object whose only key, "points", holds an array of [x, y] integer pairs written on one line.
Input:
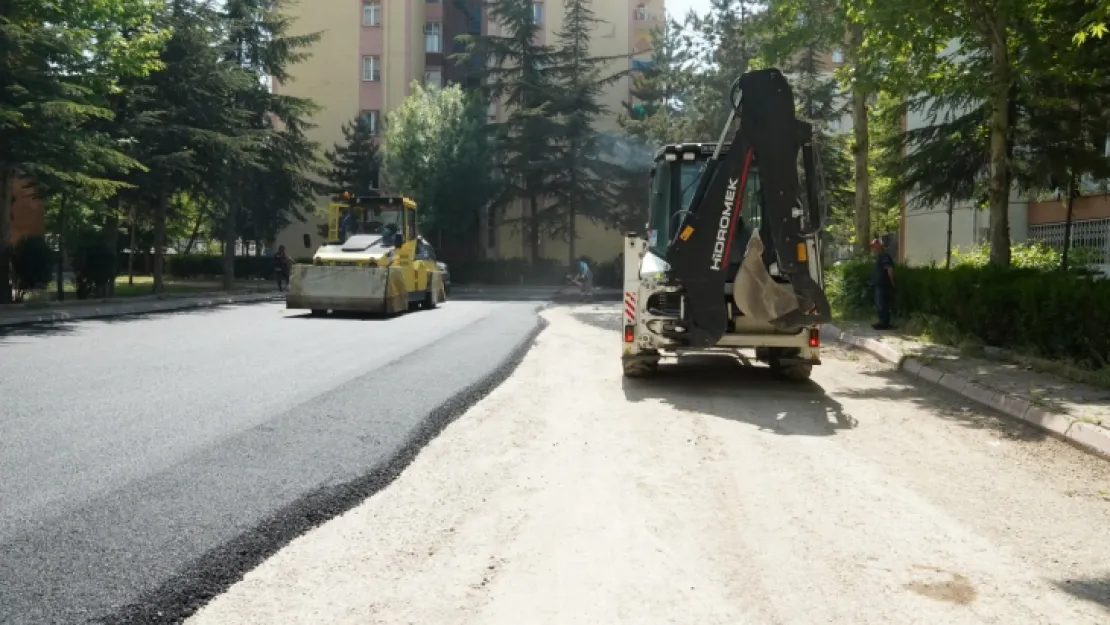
{"points": [[1057, 315], [32, 264], [94, 265], [203, 266]]}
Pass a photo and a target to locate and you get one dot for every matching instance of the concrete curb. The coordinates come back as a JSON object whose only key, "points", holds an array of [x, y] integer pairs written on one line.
{"points": [[1089, 436], [104, 309]]}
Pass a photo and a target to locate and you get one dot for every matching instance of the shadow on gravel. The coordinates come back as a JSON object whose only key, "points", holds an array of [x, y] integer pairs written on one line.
{"points": [[214, 573], [1094, 589], [899, 387], [721, 386]]}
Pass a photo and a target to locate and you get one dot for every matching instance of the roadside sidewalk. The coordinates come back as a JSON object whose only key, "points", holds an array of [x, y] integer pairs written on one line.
{"points": [[73, 310], [1075, 412]]}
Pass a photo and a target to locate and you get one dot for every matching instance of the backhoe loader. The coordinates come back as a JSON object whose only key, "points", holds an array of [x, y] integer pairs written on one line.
{"points": [[731, 261]]}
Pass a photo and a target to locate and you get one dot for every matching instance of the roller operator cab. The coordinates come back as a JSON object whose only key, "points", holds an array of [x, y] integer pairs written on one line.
{"points": [[375, 261], [730, 261]]}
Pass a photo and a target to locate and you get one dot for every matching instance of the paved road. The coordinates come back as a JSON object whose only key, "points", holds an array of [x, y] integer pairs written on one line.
{"points": [[135, 452], [709, 495]]}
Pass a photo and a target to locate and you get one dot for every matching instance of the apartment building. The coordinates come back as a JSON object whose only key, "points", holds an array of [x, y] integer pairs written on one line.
{"points": [[1038, 217], [368, 55], [371, 51], [27, 213]]}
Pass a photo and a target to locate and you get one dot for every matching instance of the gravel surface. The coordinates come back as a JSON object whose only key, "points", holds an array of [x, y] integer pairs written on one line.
{"points": [[712, 494], [148, 462]]}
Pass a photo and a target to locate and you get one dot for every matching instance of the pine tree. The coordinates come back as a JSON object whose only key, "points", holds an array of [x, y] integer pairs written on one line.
{"points": [[354, 165], [57, 61], [184, 126], [729, 41], [582, 187], [653, 113], [517, 74], [259, 43], [796, 37]]}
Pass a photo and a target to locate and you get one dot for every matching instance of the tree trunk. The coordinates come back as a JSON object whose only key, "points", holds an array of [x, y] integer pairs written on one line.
{"points": [[572, 236], [999, 131], [229, 249], [195, 233], [161, 210], [111, 238], [948, 243], [60, 279], [534, 229], [1069, 205], [131, 246], [6, 184], [861, 152]]}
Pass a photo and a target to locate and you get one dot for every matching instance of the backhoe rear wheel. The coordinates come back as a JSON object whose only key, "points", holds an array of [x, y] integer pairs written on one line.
{"points": [[793, 372], [640, 367]]}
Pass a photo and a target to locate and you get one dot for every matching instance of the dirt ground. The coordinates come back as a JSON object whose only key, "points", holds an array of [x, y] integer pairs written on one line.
{"points": [[711, 494]]}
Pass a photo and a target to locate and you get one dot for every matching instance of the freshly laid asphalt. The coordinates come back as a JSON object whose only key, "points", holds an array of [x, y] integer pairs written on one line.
{"points": [[145, 463]]}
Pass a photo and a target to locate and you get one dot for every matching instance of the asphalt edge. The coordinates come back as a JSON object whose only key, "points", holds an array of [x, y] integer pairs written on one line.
{"points": [[127, 309], [1087, 436], [217, 571]]}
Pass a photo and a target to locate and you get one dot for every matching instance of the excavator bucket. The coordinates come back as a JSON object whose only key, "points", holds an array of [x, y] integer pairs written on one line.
{"points": [[704, 251], [353, 289]]}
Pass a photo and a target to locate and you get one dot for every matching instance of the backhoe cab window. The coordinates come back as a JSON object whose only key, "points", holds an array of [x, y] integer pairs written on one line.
{"points": [[672, 190]]}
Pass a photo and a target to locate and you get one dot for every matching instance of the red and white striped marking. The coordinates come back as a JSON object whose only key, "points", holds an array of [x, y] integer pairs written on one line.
{"points": [[630, 306]]}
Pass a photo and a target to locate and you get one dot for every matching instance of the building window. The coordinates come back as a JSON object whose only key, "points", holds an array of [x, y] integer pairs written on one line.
{"points": [[433, 77], [433, 37], [838, 56], [641, 12], [372, 14], [371, 118], [537, 12], [371, 69]]}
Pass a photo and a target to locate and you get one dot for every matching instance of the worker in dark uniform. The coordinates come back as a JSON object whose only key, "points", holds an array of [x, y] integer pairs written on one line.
{"points": [[281, 267], [882, 280]]}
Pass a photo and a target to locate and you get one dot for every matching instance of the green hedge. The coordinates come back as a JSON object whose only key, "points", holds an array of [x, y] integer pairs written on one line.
{"points": [[1057, 315], [199, 266]]}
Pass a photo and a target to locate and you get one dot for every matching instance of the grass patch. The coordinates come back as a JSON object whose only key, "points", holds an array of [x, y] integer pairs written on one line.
{"points": [[938, 331], [141, 286]]}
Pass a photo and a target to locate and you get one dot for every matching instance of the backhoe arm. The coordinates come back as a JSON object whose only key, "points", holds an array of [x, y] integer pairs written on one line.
{"points": [[704, 247]]}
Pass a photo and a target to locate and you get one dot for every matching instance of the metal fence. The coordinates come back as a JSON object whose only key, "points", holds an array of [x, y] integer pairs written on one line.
{"points": [[1089, 234]]}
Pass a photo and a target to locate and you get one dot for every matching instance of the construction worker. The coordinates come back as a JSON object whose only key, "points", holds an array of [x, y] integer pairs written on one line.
{"points": [[585, 279], [882, 280], [281, 267]]}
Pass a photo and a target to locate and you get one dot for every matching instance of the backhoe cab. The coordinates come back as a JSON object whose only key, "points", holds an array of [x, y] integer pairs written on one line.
{"points": [[732, 256]]}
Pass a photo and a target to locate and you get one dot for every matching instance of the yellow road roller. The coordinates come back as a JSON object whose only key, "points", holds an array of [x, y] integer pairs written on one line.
{"points": [[375, 261]]}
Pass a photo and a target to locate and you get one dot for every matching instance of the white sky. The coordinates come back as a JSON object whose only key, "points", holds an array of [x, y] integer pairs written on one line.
{"points": [[678, 8]]}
